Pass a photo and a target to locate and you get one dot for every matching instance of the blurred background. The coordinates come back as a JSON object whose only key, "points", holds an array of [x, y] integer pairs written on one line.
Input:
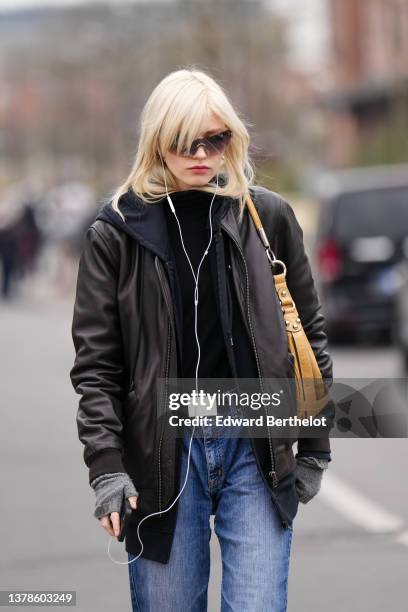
{"points": [[323, 86]]}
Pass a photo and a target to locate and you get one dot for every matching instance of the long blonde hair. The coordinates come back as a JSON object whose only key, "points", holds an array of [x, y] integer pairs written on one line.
{"points": [[179, 104]]}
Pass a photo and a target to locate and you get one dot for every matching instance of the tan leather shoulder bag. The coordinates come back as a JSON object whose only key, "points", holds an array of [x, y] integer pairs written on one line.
{"points": [[311, 391]]}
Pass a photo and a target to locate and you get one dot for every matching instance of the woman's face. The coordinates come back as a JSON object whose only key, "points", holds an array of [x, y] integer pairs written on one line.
{"points": [[182, 167]]}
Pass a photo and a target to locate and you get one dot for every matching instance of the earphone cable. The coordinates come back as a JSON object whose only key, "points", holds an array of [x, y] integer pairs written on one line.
{"points": [[196, 278]]}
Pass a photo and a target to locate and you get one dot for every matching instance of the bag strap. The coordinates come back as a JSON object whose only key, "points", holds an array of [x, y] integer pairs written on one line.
{"points": [[264, 239]]}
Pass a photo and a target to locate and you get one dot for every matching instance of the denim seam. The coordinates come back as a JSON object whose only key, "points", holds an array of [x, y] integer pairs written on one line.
{"points": [[206, 463], [134, 590], [214, 483], [287, 569]]}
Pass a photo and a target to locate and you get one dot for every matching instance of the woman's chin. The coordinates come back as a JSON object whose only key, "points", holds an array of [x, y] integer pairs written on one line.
{"points": [[198, 181]]}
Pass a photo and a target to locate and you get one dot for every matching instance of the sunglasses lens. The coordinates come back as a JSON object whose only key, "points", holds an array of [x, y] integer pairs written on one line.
{"points": [[218, 143], [214, 145]]}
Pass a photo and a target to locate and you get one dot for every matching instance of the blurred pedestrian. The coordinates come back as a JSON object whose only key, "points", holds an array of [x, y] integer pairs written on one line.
{"points": [[10, 215], [29, 240]]}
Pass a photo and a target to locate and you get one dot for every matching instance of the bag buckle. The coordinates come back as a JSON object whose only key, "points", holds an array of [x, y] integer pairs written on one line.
{"points": [[273, 261]]}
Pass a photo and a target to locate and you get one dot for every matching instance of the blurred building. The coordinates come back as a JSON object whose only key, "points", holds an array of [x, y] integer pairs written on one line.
{"points": [[70, 111], [369, 89]]}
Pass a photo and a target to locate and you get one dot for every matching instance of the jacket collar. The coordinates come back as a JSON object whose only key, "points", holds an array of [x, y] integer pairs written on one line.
{"points": [[146, 223]]}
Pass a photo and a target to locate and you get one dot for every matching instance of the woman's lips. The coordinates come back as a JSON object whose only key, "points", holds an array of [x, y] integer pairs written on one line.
{"points": [[199, 169]]}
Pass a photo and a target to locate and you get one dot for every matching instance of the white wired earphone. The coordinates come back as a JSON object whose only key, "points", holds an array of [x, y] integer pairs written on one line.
{"points": [[198, 360]]}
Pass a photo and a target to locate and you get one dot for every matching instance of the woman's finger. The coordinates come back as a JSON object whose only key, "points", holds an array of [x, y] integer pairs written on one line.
{"points": [[106, 524], [133, 501], [115, 519]]}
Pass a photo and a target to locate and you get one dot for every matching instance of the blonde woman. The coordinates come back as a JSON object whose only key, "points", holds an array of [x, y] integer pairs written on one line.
{"points": [[173, 282]]}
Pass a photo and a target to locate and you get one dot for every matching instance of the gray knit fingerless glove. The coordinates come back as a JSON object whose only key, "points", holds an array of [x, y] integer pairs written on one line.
{"points": [[309, 474], [109, 490]]}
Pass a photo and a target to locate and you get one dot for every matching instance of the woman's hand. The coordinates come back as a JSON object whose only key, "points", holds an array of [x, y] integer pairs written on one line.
{"points": [[110, 489], [112, 522], [309, 474]]}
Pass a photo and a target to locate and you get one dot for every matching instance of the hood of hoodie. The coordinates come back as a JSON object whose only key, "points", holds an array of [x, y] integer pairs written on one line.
{"points": [[147, 223]]}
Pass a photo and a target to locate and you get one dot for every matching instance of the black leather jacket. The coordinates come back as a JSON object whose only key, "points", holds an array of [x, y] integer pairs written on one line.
{"points": [[126, 331]]}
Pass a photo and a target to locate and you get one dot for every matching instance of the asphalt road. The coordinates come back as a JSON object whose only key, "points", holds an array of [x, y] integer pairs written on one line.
{"points": [[350, 544]]}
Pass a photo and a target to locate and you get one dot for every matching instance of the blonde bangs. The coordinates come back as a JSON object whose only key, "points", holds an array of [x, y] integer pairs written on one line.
{"points": [[184, 125]]}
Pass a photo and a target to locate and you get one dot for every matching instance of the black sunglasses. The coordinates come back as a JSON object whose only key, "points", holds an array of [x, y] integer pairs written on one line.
{"points": [[214, 145]]}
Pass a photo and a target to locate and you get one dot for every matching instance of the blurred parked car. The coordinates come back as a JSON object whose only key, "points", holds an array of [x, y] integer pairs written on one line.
{"points": [[400, 329], [362, 235]]}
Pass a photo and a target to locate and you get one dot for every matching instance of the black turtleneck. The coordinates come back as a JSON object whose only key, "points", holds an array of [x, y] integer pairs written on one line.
{"points": [[192, 208]]}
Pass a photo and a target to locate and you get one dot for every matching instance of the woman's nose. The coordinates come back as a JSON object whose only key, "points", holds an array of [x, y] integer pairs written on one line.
{"points": [[201, 152]]}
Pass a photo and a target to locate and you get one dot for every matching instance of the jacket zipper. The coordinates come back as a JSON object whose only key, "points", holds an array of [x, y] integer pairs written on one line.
{"points": [[164, 396], [166, 375], [272, 472]]}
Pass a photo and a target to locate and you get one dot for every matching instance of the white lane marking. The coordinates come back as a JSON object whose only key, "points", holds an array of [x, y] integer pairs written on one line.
{"points": [[360, 510], [402, 538]]}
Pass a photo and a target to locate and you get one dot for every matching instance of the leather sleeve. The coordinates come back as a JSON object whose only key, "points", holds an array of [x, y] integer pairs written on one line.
{"points": [[98, 372], [302, 288]]}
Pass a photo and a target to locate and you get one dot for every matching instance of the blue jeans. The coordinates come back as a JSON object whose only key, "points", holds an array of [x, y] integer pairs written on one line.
{"points": [[255, 547]]}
